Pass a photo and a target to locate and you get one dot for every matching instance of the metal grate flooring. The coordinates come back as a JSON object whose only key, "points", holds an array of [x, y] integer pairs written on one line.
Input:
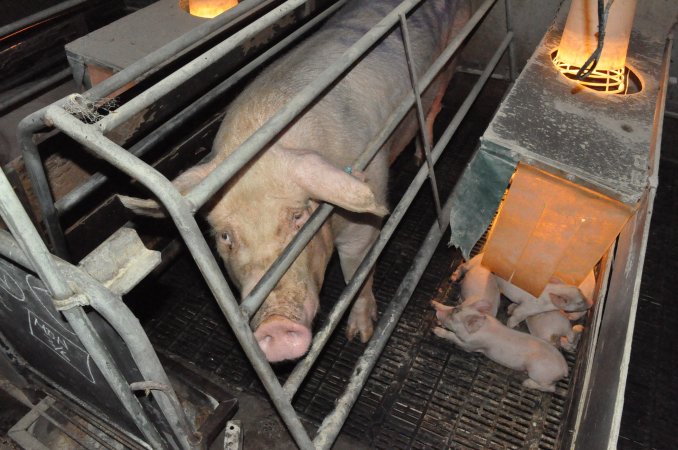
{"points": [[423, 392]]}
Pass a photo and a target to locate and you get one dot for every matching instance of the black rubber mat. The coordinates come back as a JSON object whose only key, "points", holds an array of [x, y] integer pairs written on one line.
{"points": [[423, 392], [650, 417]]}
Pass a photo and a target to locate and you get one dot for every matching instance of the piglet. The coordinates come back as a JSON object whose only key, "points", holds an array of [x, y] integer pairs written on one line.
{"points": [[479, 288], [555, 328], [556, 296], [476, 332]]}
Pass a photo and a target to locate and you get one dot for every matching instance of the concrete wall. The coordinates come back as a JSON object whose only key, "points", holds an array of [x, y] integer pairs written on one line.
{"points": [[531, 18]]}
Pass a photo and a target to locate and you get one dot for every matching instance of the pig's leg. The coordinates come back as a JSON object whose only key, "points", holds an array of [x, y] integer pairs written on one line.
{"points": [[352, 244], [531, 384], [450, 336], [436, 106], [461, 270]]}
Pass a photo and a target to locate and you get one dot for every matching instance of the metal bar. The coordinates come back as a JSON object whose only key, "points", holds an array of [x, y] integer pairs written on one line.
{"points": [[301, 370], [151, 62], [14, 27], [29, 91], [425, 138], [329, 429], [95, 347], [30, 242], [253, 145], [256, 297], [511, 50], [180, 211], [79, 426], [202, 62], [167, 389], [36, 174], [74, 197], [114, 311]]}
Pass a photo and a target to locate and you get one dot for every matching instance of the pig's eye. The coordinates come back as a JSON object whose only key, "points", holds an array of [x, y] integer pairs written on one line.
{"points": [[299, 218], [225, 238]]}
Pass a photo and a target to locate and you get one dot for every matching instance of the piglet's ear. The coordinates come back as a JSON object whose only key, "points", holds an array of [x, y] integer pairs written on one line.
{"points": [[559, 301], [324, 182], [474, 322], [184, 183]]}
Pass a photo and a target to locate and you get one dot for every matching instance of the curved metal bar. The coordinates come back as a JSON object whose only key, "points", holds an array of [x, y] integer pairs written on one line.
{"points": [[182, 215]]}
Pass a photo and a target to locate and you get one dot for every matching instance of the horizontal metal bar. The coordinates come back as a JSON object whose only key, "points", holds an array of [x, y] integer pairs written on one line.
{"points": [[158, 58], [293, 108], [40, 16], [256, 297], [331, 425], [202, 62], [70, 200], [29, 91], [182, 215], [301, 370]]}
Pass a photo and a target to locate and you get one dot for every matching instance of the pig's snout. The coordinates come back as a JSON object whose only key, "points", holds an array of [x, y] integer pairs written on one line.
{"points": [[281, 338]]}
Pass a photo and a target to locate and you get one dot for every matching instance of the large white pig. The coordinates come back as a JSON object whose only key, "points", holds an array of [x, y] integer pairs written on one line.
{"points": [[258, 212]]}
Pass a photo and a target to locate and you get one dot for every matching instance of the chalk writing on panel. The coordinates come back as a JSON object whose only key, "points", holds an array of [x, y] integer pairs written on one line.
{"points": [[45, 300], [9, 285], [66, 349]]}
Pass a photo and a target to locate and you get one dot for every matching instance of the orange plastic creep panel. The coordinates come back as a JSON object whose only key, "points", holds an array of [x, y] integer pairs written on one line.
{"points": [[548, 226]]}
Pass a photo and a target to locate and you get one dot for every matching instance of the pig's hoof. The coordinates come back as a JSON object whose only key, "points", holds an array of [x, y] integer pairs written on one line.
{"points": [[457, 275], [361, 321], [512, 322], [566, 345], [531, 384], [512, 307], [441, 332]]}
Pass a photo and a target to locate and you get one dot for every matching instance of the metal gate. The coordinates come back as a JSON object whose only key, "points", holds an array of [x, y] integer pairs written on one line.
{"points": [[71, 288]]}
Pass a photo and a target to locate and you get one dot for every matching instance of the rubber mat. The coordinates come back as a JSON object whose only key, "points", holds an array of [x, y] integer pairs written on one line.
{"points": [[423, 392]]}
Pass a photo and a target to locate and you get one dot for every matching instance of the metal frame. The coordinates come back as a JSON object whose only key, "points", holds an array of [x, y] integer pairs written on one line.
{"points": [[65, 281]]}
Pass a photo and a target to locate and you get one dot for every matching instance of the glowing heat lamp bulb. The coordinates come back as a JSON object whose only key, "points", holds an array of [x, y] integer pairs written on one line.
{"points": [[210, 8], [580, 39]]}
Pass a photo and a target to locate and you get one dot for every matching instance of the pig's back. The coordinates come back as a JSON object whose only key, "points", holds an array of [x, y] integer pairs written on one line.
{"points": [[356, 107]]}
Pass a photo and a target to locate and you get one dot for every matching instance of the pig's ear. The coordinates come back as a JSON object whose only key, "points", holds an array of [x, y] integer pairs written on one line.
{"points": [[474, 322], [559, 301], [184, 183], [325, 182]]}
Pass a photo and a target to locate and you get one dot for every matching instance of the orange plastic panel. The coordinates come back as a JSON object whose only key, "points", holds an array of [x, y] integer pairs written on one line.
{"points": [[548, 226]]}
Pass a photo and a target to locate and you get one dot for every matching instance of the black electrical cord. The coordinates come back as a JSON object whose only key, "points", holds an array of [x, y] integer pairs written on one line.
{"points": [[603, 12]]}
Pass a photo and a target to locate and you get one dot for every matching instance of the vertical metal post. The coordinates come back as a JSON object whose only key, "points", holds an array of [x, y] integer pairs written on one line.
{"points": [[511, 49], [36, 173], [425, 138]]}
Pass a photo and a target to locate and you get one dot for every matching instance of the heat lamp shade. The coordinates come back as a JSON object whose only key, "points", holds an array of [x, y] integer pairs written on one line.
{"points": [[580, 36]]}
